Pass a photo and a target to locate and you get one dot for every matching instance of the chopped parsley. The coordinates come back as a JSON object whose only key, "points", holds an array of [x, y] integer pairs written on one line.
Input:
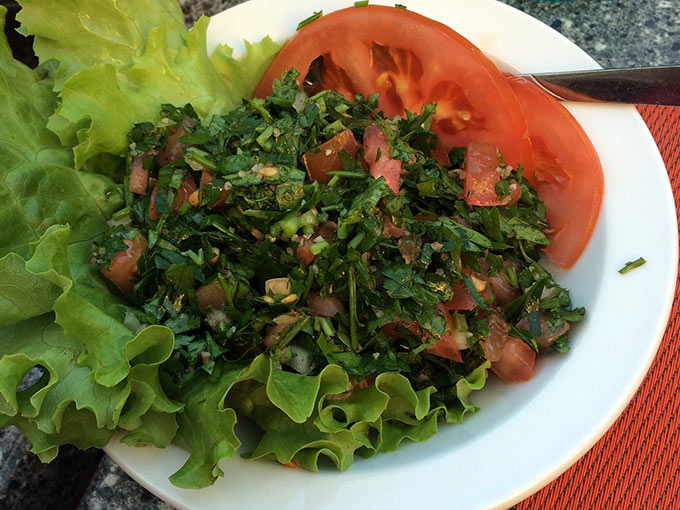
{"points": [[308, 20], [224, 272], [632, 265]]}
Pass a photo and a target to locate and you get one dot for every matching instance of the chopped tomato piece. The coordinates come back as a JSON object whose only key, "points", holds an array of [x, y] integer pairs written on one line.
{"points": [[326, 229], [390, 169], [375, 144], [207, 178], [187, 187], [377, 157], [328, 306], [549, 333], [516, 362], [391, 230], [123, 267], [401, 328], [446, 346], [511, 359], [462, 299], [272, 337], [139, 176], [411, 60], [174, 149], [501, 288], [568, 174], [326, 159], [303, 253], [481, 176], [211, 295]]}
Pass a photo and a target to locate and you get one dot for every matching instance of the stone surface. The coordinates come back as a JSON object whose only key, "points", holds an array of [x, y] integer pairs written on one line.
{"points": [[617, 33], [13, 448], [26, 483], [112, 489]]}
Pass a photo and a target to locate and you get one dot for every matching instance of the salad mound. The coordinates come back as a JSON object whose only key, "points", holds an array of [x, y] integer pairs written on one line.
{"points": [[344, 308], [301, 260]]}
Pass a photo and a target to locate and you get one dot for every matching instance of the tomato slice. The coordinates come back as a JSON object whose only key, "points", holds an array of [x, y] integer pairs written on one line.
{"points": [[567, 172], [411, 60]]}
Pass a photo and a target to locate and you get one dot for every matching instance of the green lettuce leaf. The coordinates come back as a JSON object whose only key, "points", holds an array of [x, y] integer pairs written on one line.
{"points": [[116, 69], [94, 374], [303, 418], [90, 362], [82, 33], [38, 187], [65, 405], [206, 429], [256, 61]]}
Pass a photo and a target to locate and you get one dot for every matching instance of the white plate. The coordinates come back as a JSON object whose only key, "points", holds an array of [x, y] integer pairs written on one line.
{"points": [[527, 434]]}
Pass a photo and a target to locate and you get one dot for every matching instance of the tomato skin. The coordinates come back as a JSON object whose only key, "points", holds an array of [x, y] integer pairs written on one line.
{"points": [[411, 60], [123, 267], [326, 159], [481, 177], [568, 174], [185, 189]]}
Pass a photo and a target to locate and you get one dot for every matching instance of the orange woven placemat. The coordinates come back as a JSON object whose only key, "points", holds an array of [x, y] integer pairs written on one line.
{"points": [[636, 465]]}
